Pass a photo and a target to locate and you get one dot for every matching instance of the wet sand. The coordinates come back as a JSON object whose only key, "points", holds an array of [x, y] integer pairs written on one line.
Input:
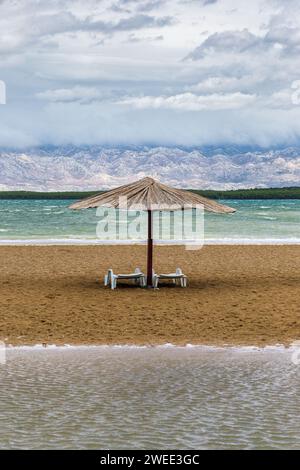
{"points": [[237, 295]]}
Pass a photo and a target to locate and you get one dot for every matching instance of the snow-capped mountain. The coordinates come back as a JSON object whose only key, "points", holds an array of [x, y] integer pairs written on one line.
{"points": [[95, 167]]}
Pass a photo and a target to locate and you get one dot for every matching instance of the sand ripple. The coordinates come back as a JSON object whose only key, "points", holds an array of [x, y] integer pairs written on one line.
{"points": [[149, 398]]}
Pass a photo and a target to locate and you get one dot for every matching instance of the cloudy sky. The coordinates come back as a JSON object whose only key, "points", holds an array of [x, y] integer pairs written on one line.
{"points": [[169, 72]]}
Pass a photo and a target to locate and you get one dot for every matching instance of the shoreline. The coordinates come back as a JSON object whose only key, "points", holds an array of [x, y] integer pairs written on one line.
{"points": [[238, 296], [93, 242], [293, 346]]}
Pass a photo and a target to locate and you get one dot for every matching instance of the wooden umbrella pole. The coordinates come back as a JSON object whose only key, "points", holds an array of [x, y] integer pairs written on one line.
{"points": [[149, 251]]}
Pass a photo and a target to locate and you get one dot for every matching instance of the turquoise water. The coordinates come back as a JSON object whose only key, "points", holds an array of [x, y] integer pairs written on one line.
{"points": [[254, 221]]}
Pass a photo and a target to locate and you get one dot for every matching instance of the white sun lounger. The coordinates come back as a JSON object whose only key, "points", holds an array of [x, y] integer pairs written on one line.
{"points": [[138, 277], [177, 277]]}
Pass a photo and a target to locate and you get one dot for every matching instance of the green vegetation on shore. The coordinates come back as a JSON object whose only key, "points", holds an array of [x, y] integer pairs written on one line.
{"points": [[265, 193], [262, 193], [47, 195]]}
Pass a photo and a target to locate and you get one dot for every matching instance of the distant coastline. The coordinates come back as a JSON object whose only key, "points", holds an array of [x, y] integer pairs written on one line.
{"points": [[255, 193]]}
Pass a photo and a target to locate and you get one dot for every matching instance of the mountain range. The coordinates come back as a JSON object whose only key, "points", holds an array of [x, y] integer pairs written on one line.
{"points": [[96, 167]]}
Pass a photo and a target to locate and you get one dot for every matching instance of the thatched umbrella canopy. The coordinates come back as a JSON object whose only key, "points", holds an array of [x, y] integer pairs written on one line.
{"points": [[150, 195]]}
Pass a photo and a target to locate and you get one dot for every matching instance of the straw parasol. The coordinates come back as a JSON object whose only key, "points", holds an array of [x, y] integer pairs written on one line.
{"points": [[150, 195]]}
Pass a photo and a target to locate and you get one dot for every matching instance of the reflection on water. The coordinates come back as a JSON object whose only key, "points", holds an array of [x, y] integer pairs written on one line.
{"points": [[118, 398]]}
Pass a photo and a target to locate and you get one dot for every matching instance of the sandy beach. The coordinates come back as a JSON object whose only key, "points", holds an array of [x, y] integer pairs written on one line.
{"points": [[238, 295]]}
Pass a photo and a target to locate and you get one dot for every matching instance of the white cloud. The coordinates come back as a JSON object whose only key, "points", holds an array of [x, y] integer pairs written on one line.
{"points": [[232, 42], [223, 84], [191, 102], [68, 95], [124, 60], [282, 99], [2, 92]]}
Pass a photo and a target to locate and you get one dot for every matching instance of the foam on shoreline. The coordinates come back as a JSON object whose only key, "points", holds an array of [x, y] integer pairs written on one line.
{"points": [[167, 346], [89, 242]]}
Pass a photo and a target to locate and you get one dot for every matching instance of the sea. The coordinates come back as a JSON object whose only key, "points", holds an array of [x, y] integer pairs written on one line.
{"points": [[150, 398], [51, 221], [166, 397]]}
